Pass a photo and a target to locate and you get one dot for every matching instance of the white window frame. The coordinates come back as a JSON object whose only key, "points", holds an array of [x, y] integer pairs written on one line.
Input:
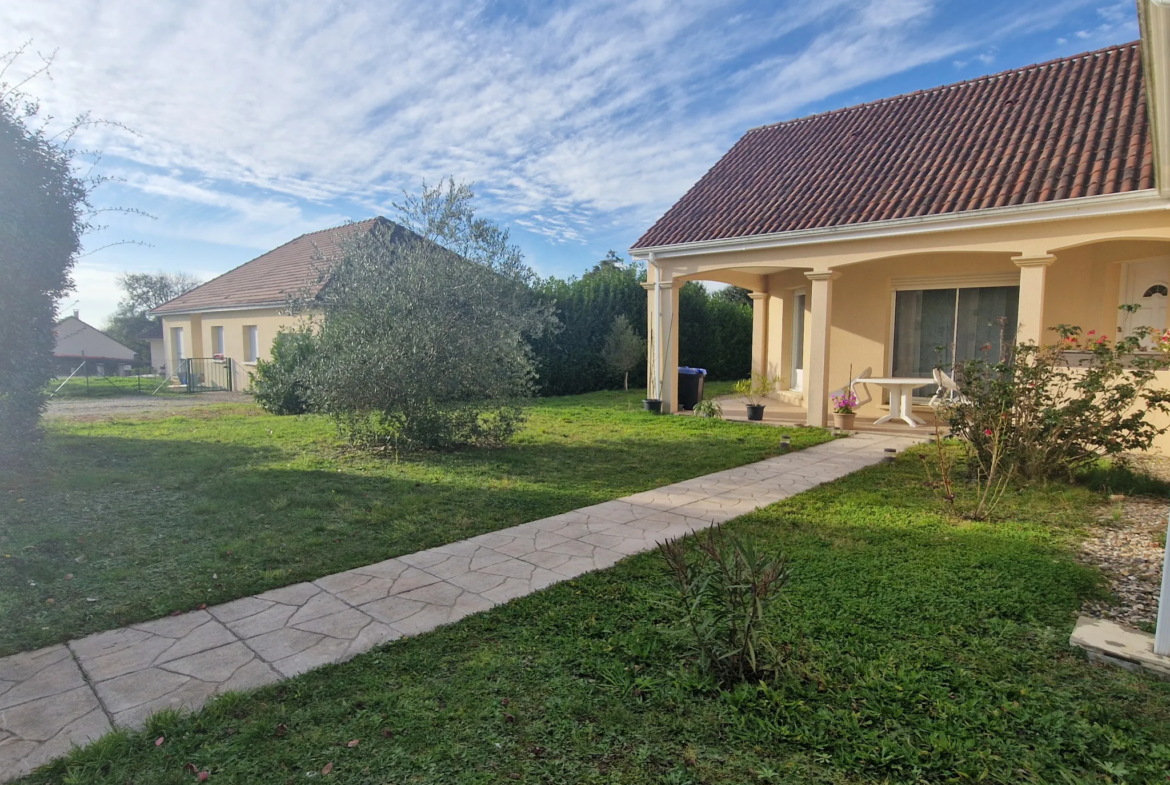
{"points": [[251, 344], [217, 340], [916, 284]]}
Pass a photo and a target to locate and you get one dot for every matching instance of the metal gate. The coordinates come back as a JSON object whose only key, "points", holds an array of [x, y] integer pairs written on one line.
{"points": [[206, 374]]}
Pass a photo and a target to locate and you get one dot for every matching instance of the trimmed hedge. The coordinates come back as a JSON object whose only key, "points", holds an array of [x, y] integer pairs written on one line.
{"points": [[714, 332]]}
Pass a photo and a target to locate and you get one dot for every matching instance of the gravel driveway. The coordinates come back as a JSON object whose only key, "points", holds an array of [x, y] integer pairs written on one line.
{"points": [[130, 405]]}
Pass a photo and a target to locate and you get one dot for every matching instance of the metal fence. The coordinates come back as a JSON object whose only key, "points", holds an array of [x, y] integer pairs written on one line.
{"points": [[206, 374], [90, 378]]}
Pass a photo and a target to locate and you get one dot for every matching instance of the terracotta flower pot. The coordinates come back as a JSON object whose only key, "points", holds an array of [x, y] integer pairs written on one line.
{"points": [[755, 411], [844, 421]]}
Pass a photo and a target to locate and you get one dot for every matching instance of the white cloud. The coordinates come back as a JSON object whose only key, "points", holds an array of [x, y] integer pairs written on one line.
{"points": [[258, 121], [599, 111]]}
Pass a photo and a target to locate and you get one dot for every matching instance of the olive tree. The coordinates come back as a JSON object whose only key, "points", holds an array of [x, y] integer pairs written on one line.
{"points": [[423, 337]]}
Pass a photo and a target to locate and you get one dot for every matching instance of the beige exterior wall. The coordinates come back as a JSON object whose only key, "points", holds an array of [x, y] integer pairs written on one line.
{"points": [[198, 336], [1073, 271]]}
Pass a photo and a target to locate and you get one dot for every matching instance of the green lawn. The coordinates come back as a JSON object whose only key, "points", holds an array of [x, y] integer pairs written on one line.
{"points": [[129, 520], [107, 387], [922, 651]]}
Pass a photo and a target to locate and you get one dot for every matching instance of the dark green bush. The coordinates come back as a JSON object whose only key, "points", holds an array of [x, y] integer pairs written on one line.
{"points": [[43, 205], [715, 331], [280, 385]]}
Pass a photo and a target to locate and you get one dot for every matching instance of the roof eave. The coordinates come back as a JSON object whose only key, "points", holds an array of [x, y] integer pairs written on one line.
{"points": [[184, 311], [1083, 207]]}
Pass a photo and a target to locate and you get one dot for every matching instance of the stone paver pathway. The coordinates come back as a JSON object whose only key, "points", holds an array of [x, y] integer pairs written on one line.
{"points": [[69, 694]]}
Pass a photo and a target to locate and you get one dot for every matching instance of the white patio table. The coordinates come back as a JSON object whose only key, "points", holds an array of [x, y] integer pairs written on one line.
{"points": [[901, 398]]}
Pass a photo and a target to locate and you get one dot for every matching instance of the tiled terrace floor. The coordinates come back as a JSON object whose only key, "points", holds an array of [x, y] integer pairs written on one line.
{"points": [[72, 693]]}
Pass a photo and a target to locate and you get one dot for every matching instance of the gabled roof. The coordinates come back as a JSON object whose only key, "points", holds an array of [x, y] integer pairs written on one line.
{"points": [[76, 339], [1063, 129], [271, 278]]}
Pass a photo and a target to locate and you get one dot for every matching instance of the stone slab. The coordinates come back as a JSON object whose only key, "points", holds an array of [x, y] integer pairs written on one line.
{"points": [[1113, 643]]}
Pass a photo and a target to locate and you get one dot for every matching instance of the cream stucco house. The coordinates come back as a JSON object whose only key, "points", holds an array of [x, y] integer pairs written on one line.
{"points": [[231, 321], [871, 235]]}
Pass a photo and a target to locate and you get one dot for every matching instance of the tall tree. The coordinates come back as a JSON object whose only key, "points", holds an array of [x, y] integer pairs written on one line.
{"points": [[43, 209], [140, 293], [734, 294]]}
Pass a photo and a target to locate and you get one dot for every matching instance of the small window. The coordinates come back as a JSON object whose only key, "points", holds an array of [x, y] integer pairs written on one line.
{"points": [[1156, 289], [251, 343], [217, 341]]}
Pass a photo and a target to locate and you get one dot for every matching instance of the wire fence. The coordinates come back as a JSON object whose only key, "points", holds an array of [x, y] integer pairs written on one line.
{"points": [[91, 379]]}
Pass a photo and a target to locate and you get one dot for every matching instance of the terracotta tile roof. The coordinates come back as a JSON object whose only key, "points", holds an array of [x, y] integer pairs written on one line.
{"points": [[1058, 130], [271, 278]]}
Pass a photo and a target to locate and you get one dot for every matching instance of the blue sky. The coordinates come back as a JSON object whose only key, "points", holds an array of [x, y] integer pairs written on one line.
{"points": [[579, 123]]}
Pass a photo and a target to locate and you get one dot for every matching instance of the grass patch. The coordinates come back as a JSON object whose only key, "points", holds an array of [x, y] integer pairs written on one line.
{"points": [[107, 387], [126, 520], [923, 651]]}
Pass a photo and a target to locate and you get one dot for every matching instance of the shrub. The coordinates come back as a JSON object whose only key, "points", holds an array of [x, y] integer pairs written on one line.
{"points": [[420, 347], [723, 589], [281, 385], [43, 209], [1032, 414]]}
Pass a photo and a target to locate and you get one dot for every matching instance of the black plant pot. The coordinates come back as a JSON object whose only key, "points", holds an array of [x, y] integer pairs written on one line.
{"points": [[755, 411], [652, 405]]}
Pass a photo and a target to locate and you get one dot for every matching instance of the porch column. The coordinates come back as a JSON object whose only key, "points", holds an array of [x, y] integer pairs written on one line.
{"points": [[1030, 324], [759, 332], [662, 344], [816, 371]]}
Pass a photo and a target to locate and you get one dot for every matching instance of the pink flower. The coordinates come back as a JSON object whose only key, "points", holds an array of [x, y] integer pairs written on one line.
{"points": [[1092, 332], [987, 432], [1071, 339]]}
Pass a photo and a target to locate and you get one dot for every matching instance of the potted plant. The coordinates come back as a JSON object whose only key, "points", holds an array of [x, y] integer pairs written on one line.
{"points": [[844, 408], [753, 391]]}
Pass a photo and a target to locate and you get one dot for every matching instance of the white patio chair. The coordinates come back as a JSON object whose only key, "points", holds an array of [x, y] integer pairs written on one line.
{"points": [[948, 391], [858, 380]]}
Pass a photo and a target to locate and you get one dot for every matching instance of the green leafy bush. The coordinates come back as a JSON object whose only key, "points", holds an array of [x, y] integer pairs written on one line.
{"points": [[1036, 414], [723, 589], [281, 385]]}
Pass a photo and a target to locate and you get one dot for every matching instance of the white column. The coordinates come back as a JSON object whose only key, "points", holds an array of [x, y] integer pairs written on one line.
{"points": [[1030, 324], [816, 366], [759, 332], [662, 346]]}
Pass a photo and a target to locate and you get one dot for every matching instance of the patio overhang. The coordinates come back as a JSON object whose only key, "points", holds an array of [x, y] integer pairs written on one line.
{"points": [[838, 286]]}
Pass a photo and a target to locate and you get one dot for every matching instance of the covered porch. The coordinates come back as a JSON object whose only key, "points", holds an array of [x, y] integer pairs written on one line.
{"points": [[901, 302]]}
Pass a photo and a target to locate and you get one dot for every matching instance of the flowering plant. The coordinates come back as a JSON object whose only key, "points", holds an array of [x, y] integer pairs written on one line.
{"points": [[845, 402]]}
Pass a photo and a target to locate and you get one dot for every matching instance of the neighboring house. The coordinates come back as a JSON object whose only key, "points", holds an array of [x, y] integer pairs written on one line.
{"points": [[154, 337], [236, 316], [78, 342], [872, 235]]}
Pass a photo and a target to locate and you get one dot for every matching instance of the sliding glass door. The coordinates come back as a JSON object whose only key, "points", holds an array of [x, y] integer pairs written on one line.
{"points": [[942, 327]]}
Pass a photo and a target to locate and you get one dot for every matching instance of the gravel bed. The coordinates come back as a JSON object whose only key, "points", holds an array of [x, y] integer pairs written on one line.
{"points": [[1126, 546], [131, 405]]}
